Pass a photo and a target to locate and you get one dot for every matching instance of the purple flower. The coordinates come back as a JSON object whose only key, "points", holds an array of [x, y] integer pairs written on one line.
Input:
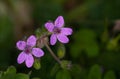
{"points": [[58, 31], [28, 50]]}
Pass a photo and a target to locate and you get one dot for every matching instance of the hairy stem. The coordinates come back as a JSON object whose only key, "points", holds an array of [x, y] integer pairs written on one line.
{"points": [[52, 53]]}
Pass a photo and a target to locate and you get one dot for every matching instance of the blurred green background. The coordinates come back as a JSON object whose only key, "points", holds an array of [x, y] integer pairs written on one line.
{"points": [[94, 48]]}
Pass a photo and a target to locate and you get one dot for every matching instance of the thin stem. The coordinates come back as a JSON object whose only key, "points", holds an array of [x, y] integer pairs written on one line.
{"points": [[52, 53]]}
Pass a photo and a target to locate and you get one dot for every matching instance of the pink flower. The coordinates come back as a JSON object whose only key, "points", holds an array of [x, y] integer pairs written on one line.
{"points": [[58, 31], [28, 51]]}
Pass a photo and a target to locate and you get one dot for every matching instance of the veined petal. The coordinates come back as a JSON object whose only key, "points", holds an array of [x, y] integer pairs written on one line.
{"points": [[53, 39], [59, 22], [21, 45], [29, 60], [66, 31], [49, 26], [21, 58], [37, 52], [62, 38], [31, 41]]}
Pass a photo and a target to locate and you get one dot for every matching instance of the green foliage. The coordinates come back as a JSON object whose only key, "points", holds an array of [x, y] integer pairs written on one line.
{"points": [[81, 11], [76, 72], [21, 76], [86, 40], [6, 32], [95, 72], [63, 74], [11, 74], [110, 75], [11, 70], [54, 70], [113, 43], [40, 31], [92, 50]]}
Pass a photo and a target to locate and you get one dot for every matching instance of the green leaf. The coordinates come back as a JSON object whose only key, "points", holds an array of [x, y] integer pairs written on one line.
{"points": [[61, 51], [54, 69], [95, 72], [11, 70], [63, 74], [76, 71], [8, 76], [86, 41], [92, 50], [10, 73], [110, 75], [21, 76]]}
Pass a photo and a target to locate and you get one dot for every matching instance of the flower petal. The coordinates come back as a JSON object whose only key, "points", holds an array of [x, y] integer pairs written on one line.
{"points": [[31, 40], [49, 26], [21, 58], [66, 31], [62, 38], [21, 45], [53, 39], [37, 52], [59, 22], [29, 60]]}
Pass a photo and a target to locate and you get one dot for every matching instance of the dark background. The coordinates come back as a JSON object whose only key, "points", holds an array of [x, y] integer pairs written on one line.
{"points": [[94, 42]]}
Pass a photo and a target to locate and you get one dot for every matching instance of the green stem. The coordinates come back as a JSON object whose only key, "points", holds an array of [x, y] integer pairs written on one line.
{"points": [[52, 53]]}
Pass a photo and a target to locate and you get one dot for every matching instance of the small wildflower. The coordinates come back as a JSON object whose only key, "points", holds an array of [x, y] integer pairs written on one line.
{"points": [[28, 51], [58, 31]]}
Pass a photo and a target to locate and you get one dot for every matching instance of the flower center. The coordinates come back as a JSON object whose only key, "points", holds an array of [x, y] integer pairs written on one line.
{"points": [[28, 49], [56, 30]]}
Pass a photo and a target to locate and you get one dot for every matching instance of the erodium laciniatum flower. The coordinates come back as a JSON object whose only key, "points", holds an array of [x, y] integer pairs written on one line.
{"points": [[29, 51], [58, 31]]}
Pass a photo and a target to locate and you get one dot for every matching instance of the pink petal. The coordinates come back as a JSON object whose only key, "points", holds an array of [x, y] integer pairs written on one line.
{"points": [[31, 40], [53, 39], [37, 52], [66, 31], [21, 58], [29, 60], [21, 45], [62, 38], [49, 26], [59, 22]]}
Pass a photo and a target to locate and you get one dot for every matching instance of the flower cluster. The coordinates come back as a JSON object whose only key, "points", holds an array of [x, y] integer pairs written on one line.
{"points": [[29, 48]]}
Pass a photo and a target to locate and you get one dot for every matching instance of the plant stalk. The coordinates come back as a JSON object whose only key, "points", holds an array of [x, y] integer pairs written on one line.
{"points": [[52, 53]]}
